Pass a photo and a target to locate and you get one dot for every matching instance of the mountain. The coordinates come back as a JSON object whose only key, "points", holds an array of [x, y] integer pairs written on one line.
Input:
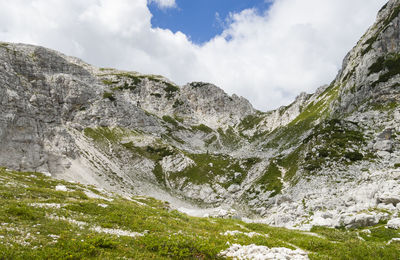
{"points": [[330, 158]]}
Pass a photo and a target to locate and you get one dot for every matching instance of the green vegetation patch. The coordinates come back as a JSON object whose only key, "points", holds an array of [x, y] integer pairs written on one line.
{"points": [[134, 78], [290, 135], [211, 140], [198, 84], [177, 103], [170, 89], [108, 82], [389, 65], [229, 137], [157, 95], [170, 120], [388, 106], [126, 85], [208, 166], [106, 134], [155, 153], [109, 96], [332, 140], [202, 128], [271, 179], [250, 121]]}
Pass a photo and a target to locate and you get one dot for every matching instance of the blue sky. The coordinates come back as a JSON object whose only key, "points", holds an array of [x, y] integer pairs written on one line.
{"points": [[200, 20]]}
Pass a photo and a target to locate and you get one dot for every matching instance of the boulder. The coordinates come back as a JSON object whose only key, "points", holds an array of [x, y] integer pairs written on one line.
{"points": [[394, 223], [384, 145], [387, 198], [359, 220]]}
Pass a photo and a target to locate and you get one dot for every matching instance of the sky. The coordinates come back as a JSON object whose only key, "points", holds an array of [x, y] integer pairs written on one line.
{"points": [[200, 20], [267, 51]]}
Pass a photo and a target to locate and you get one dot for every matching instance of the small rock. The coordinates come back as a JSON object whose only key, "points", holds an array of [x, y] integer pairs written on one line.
{"points": [[61, 188], [234, 188]]}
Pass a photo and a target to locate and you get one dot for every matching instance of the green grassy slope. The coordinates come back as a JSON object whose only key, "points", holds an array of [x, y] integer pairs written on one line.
{"points": [[37, 221]]}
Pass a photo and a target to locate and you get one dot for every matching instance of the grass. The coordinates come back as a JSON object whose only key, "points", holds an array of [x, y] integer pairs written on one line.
{"points": [[109, 96], [208, 166], [105, 134], [250, 121], [389, 106], [229, 137], [170, 120], [202, 128], [155, 153], [134, 78], [290, 135], [108, 82], [270, 179], [332, 140], [29, 232], [103, 137]]}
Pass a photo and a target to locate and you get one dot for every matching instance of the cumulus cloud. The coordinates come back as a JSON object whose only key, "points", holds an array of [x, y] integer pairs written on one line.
{"points": [[164, 3], [297, 45]]}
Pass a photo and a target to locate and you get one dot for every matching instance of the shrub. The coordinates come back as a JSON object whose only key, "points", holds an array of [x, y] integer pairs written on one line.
{"points": [[108, 95], [313, 165], [125, 86], [103, 242], [198, 84], [170, 88], [179, 246], [157, 95], [354, 156], [177, 103], [323, 153]]}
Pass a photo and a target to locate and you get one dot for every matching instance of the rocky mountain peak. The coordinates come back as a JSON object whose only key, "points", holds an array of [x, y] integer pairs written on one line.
{"points": [[370, 71]]}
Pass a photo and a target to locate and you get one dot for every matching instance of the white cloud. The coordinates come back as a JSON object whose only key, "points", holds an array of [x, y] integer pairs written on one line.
{"points": [[268, 58], [164, 3]]}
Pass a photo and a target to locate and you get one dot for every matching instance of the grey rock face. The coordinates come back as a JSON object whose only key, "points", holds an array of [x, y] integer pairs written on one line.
{"points": [[366, 76], [48, 101]]}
